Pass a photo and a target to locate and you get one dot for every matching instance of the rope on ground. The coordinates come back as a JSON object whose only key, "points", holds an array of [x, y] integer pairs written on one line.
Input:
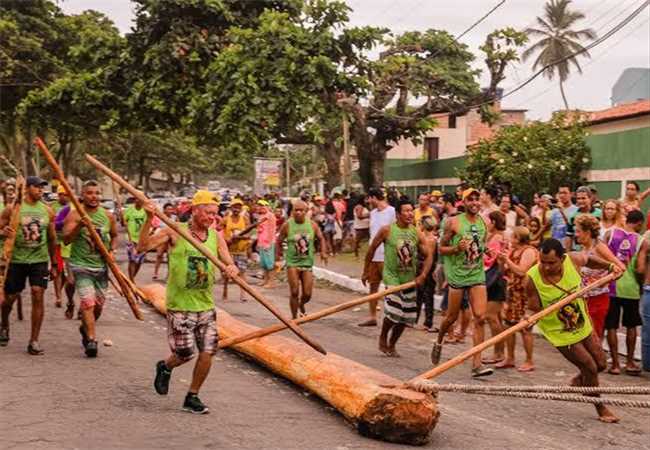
{"points": [[574, 398], [432, 388]]}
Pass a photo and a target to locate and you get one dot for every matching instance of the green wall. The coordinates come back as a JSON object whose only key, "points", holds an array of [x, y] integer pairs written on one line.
{"points": [[621, 150], [442, 168]]}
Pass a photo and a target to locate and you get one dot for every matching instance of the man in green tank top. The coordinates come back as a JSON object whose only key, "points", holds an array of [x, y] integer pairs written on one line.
{"points": [[35, 246], [299, 232], [402, 242], [88, 268], [191, 316], [462, 248], [570, 330], [134, 218]]}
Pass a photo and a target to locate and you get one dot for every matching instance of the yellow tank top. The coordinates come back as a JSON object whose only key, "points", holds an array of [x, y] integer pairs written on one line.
{"points": [[239, 246]]}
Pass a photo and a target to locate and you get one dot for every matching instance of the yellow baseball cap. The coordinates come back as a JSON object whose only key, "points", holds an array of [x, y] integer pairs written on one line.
{"points": [[436, 193], [469, 191], [263, 202], [204, 198], [236, 202], [61, 190]]}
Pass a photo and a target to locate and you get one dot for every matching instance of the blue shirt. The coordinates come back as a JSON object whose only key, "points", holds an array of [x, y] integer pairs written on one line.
{"points": [[558, 224]]}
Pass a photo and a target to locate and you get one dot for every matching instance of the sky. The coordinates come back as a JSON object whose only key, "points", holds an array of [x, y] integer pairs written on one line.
{"points": [[591, 90]]}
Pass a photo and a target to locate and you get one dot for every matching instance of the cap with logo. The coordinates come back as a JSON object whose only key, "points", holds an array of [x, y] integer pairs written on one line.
{"points": [[204, 198], [469, 191], [35, 181]]}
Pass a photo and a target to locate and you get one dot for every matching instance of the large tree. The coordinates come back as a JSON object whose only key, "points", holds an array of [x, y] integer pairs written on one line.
{"points": [[420, 74], [558, 42]]}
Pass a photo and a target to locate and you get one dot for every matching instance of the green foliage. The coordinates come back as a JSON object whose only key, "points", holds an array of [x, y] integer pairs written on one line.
{"points": [[535, 157]]}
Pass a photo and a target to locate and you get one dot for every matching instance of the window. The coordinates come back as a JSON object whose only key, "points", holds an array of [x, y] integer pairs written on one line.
{"points": [[431, 148], [452, 121]]}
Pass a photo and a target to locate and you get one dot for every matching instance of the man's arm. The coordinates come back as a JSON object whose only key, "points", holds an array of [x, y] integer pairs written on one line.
{"points": [[581, 259], [71, 226], [379, 239], [282, 235], [113, 232], [643, 195], [445, 242], [426, 248], [321, 239], [534, 302], [642, 258], [51, 236], [224, 255], [148, 241]]}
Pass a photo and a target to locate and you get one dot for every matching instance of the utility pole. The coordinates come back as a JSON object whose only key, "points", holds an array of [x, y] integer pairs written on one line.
{"points": [[347, 166], [288, 170]]}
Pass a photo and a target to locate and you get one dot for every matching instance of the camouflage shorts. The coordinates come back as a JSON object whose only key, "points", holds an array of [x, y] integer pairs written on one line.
{"points": [[189, 330]]}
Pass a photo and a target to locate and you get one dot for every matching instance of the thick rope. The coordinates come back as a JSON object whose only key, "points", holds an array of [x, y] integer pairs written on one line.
{"points": [[573, 398], [431, 388]]}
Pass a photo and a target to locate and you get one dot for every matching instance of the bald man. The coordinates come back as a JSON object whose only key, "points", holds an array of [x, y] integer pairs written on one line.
{"points": [[300, 232]]}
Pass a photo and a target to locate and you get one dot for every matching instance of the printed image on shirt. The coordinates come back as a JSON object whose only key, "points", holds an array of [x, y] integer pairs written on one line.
{"points": [[197, 273], [91, 243], [473, 252], [404, 254], [301, 244], [571, 317], [623, 253], [32, 230]]}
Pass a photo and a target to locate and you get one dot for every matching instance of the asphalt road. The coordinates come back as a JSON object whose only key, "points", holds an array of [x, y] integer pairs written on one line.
{"points": [[63, 400]]}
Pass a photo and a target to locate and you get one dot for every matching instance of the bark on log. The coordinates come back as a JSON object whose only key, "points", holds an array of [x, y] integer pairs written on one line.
{"points": [[356, 391]]}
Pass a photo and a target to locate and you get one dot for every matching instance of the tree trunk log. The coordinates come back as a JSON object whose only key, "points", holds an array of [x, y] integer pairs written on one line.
{"points": [[390, 414], [332, 155]]}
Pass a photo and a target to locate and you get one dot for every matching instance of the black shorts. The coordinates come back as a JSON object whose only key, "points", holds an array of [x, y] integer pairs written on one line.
{"points": [[17, 275], [496, 292], [631, 315]]}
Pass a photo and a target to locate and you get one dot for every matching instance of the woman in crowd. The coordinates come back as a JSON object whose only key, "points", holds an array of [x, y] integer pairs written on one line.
{"points": [[496, 285], [613, 217], [587, 232], [516, 263], [361, 224]]}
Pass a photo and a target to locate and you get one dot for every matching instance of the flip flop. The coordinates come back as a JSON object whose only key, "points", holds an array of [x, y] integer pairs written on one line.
{"points": [[504, 366], [482, 372], [613, 371], [368, 323], [633, 371], [491, 360], [436, 350], [526, 369]]}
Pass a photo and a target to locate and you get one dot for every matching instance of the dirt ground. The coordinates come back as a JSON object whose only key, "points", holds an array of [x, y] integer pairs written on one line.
{"points": [[63, 400]]}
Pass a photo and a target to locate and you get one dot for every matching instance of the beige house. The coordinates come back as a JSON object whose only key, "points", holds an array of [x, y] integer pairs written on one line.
{"points": [[452, 136]]}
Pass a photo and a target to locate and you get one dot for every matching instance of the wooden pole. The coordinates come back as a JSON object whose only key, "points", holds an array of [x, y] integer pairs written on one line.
{"points": [[97, 240], [315, 316], [206, 252], [438, 370], [8, 245]]}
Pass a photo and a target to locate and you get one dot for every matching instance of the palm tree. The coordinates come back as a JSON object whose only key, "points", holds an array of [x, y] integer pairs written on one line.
{"points": [[558, 41]]}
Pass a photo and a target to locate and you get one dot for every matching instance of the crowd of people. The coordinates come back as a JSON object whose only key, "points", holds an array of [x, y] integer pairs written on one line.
{"points": [[492, 259]]}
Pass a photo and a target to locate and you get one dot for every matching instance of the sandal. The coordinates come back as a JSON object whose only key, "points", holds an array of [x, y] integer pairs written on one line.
{"points": [[35, 349], [436, 350], [632, 371], [481, 372], [614, 371]]}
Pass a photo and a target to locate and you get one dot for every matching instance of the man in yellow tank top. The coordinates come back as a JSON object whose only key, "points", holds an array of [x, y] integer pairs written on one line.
{"points": [[555, 276], [235, 223]]}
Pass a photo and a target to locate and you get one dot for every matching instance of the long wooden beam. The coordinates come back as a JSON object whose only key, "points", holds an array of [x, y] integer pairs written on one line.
{"points": [[523, 324], [207, 253], [395, 414], [315, 316], [129, 293]]}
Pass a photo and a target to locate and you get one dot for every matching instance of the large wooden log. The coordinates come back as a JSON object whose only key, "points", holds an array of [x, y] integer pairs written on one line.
{"points": [[356, 391]]}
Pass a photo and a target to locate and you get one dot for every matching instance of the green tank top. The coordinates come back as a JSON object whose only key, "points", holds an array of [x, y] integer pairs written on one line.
{"points": [[466, 269], [31, 236], [570, 324], [300, 244], [191, 275], [400, 255], [83, 252]]}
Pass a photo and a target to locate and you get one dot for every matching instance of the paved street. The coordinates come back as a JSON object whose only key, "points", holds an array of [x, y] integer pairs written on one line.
{"points": [[63, 400]]}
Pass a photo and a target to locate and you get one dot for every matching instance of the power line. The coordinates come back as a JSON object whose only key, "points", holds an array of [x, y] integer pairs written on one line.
{"points": [[485, 16], [592, 61]]}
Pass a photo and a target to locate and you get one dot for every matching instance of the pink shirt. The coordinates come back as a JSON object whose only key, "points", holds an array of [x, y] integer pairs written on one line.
{"points": [[339, 206], [266, 230]]}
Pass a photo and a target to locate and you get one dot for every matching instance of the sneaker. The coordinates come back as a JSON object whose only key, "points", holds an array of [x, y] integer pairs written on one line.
{"points": [[435, 353], [163, 374], [4, 337], [91, 349], [84, 336], [194, 405], [35, 349]]}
